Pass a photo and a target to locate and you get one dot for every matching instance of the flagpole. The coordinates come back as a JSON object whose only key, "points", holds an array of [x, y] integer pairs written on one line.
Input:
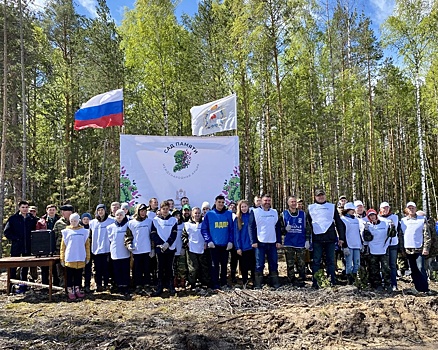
{"points": [[102, 176]]}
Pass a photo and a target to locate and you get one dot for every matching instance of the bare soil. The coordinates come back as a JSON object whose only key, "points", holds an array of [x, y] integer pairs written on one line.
{"points": [[342, 317]]}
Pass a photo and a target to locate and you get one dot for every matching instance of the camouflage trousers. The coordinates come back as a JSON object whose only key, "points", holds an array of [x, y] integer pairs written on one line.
{"points": [[199, 268], [180, 265], [379, 270], [295, 256]]}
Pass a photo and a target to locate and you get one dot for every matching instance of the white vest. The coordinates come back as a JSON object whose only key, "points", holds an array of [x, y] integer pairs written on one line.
{"points": [[116, 236], [266, 221], [74, 241], [413, 231], [352, 232], [164, 229], [322, 217], [196, 240], [99, 236], [394, 218], [141, 232], [378, 245]]}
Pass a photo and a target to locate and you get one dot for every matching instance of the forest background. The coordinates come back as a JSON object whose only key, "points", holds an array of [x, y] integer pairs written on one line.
{"points": [[320, 103]]}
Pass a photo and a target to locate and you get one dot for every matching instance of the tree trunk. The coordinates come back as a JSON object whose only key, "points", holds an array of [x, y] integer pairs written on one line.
{"points": [[4, 122]]}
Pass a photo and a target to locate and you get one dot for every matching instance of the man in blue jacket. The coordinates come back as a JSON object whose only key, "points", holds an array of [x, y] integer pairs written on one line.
{"points": [[265, 234], [18, 230], [218, 232]]}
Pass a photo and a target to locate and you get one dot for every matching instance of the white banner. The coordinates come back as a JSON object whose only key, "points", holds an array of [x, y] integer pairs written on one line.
{"points": [[199, 168], [216, 116]]}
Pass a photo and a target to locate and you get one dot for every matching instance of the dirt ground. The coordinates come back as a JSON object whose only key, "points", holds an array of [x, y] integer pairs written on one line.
{"points": [[342, 317]]}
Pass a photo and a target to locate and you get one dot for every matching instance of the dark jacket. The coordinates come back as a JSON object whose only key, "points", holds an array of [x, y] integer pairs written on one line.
{"points": [[336, 229], [18, 231], [156, 239]]}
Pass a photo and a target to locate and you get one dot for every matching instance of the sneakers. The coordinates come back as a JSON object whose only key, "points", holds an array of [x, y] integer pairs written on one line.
{"points": [[71, 293], [394, 289], [79, 294]]}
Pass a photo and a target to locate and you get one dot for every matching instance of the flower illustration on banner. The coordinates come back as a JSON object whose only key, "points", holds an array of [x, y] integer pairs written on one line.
{"points": [[182, 160], [231, 189], [128, 190]]}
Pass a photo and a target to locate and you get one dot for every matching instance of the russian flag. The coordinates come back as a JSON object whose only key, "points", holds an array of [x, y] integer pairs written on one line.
{"points": [[101, 111]]}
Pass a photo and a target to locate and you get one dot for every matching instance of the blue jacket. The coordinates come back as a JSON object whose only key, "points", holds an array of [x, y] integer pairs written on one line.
{"points": [[218, 227], [241, 237], [296, 237], [18, 230]]}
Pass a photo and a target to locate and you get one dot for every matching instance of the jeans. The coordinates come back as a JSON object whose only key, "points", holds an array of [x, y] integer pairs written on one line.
{"points": [[352, 261], [419, 275], [270, 250], [219, 262], [329, 249], [393, 252]]}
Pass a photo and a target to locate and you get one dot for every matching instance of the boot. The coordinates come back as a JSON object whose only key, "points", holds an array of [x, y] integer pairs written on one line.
{"points": [[159, 290], [350, 279], [78, 292], [182, 282], [258, 280], [71, 293], [275, 282], [175, 282]]}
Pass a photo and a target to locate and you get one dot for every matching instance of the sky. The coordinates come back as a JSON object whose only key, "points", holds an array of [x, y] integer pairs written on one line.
{"points": [[377, 10]]}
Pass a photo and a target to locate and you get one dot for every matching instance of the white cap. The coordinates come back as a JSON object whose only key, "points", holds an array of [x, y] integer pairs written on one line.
{"points": [[74, 217], [410, 204], [205, 205], [357, 203], [384, 204], [349, 206], [120, 211]]}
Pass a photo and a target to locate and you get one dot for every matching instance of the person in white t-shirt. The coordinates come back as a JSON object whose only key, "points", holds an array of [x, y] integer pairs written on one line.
{"points": [[416, 244], [74, 255], [119, 252]]}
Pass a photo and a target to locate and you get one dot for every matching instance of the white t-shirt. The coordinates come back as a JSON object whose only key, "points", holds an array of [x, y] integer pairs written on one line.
{"points": [[99, 236], [380, 242], [164, 228], [413, 231], [141, 232], [266, 221], [322, 217], [352, 232], [116, 236], [75, 241], [196, 240]]}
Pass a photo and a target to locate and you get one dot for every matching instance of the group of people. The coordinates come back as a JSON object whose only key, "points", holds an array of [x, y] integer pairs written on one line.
{"points": [[192, 247]]}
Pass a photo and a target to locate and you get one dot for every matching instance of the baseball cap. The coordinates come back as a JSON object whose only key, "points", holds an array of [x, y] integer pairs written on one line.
{"points": [[357, 203], [384, 204], [349, 206], [319, 191], [410, 204], [186, 206]]}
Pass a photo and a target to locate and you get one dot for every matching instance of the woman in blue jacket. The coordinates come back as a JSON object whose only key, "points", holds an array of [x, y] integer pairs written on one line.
{"points": [[243, 242]]}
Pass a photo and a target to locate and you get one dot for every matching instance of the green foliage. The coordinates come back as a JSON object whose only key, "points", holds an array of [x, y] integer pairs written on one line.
{"points": [[317, 105]]}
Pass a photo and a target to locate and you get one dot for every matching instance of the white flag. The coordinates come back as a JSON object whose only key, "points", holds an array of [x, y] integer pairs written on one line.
{"points": [[216, 116]]}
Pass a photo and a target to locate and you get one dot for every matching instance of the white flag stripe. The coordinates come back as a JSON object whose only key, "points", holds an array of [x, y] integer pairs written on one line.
{"points": [[216, 116], [106, 97]]}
